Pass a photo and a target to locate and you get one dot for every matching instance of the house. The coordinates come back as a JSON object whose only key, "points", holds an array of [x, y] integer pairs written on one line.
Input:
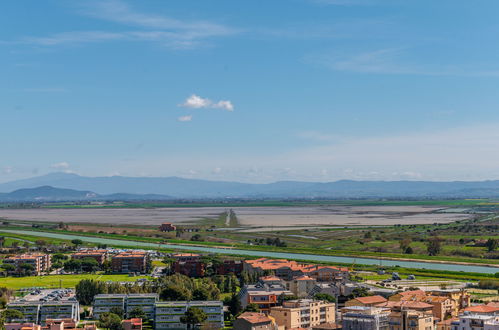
{"points": [[263, 294], [132, 324], [130, 262], [366, 301], [167, 227], [303, 313], [255, 321]]}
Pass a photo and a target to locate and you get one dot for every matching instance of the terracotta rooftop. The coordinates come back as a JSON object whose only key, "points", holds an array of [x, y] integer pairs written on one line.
{"points": [[371, 299], [269, 278], [413, 293], [251, 317], [406, 304], [481, 309], [304, 278], [272, 264]]}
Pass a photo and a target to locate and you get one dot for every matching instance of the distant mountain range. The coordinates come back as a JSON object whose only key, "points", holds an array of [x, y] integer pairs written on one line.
{"points": [[75, 187]]}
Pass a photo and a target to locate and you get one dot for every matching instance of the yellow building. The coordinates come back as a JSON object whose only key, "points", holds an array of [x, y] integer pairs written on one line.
{"points": [[303, 313], [411, 320]]}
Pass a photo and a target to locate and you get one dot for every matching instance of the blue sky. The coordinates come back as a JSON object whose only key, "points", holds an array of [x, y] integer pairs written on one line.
{"points": [[254, 91]]}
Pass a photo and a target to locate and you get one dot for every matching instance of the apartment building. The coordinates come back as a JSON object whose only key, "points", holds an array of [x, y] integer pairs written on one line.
{"points": [[144, 301], [130, 262], [365, 318], [103, 303], [303, 313], [411, 320], [40, 263], [301, 285], [168, 313], [38, 312], [255, 321], [288, 269], [230, 267], [470, 321], [263, 294], [99, 255]]}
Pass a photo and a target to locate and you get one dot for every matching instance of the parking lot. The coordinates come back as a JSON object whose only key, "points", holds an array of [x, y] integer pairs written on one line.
{"points": [[45, 295]]}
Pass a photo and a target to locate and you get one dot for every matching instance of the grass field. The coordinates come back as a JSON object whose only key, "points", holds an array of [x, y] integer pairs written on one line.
{"points": [[56, 281]]}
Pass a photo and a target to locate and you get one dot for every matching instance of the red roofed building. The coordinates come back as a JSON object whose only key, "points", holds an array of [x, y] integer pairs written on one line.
{"points": [[482, 309], [99, 255], [289, 269], [132, 324], [167, 226], [255, 321], [368, 301], [130, 262]]}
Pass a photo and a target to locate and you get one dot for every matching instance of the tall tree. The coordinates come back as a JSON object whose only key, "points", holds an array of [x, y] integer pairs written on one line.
{"points": [[193, 316]]}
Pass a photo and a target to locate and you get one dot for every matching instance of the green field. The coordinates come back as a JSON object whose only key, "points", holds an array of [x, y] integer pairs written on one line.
{"points": [[57, 281]]}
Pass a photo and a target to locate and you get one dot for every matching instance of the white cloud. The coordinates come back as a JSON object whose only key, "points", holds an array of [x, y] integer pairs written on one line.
{"points": [[8, 170], [197, 102], [226, 105], [185, 118], [60, 166]]}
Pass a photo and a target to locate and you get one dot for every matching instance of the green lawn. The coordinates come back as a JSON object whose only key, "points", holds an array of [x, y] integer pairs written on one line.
{"points": [[55, 281]]}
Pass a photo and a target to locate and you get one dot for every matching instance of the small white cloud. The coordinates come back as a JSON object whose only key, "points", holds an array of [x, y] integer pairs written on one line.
{"points": [[7, 170], [185, 118], [60, 166], [217, 170], [226, 105], [197, 102]]}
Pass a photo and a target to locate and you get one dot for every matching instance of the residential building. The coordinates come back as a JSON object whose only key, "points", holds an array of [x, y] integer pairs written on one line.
{"points": [[303, 313], [144, 301], [167, 226], [365, 318], [288, 269], [22, 326], [408, 295], [132, 324], [263, 294], [168, 313], [230, 267], [186, 256], [470, 321], [255, 321], [103, 303], [398, 306], [99, 255], [482, 309], [130, 262], [460, 296], [193, 268], [59, 324], [411, 320], [368, 301], [38, 312], [301, 285], [39, 263]]}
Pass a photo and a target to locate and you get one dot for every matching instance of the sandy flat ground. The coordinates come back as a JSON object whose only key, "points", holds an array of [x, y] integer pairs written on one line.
{"points": [[247, 216]]}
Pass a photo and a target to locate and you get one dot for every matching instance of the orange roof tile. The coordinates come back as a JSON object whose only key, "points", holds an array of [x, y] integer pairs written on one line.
{"points": [[254, 317], [371, 299], [481, 309]]}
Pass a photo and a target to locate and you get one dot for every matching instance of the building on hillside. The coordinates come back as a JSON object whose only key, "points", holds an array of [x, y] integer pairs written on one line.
{"points": [[230, 267], [130, 262], [288, 269], [301, 286], [38, 312], [365, 318], [470, 321], [303, 313], [367, 301], [255, 321], [132, 324], [103, 303], [99, 255], [22, 326], [167, 227], [168, 313], [411, 320], [460, 296], [263, 294], [39, 263]]}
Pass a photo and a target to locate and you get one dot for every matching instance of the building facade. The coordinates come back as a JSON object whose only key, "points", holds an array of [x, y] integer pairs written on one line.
{"points": [[39, 263], [303, 313], [130, 262], [168, 314]]}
